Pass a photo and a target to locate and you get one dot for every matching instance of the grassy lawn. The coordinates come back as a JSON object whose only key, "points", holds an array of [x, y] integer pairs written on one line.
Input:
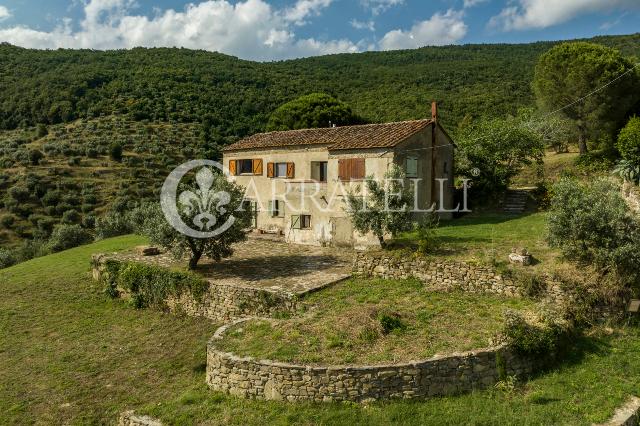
{"points": [[345, 325], [70, 355], [489, 238]]}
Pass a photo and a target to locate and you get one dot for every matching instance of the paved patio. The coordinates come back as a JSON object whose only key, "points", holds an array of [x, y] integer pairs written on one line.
{"points": [[269, 264]]}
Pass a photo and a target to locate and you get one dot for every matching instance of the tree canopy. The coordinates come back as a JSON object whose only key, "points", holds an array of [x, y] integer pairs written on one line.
{"points": [[312, 111], [570, 71], [498, 149]]}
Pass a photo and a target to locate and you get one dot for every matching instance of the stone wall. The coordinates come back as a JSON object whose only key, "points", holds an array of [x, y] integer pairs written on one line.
{"points": [[437, 376], [446, 275], [220, 301]]}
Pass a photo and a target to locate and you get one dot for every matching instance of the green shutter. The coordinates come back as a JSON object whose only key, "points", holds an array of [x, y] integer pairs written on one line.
{"points": [[271, 208], [295, 222], [281, 208]]}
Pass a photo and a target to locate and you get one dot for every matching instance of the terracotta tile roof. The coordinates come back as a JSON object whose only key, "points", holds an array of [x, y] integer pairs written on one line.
{"points": [[365, 136]]}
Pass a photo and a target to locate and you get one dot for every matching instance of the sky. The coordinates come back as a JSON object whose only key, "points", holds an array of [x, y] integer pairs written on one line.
{"points": [[267, 30]]}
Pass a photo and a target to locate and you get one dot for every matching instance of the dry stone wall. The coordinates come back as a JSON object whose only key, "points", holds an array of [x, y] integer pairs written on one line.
{"points": [[438, 376], [220, 301], [451, 275]]}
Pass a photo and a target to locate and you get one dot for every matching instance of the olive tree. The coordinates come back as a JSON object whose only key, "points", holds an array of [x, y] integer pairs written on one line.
{"points": [[202, 207], [384, 207]]}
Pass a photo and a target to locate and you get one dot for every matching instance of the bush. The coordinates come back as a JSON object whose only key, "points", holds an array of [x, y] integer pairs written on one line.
{"points": [[391, 322], [540, 336], [112, 225], [7, 221], [150, 286], [35, 156], [426, 234], [115, 152], [591, 223], [70, 217], [7, 258], [629, 141], [41, 130], [68, 236]]}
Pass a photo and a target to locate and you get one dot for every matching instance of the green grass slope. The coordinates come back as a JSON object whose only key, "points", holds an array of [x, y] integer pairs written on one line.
{"points": [[71, 355]]}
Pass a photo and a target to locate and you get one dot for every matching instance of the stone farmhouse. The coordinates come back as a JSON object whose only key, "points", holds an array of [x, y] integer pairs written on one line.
{"points": [[297, 180]]}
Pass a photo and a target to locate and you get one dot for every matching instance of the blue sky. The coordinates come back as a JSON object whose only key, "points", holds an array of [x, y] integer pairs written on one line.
{"points": [[280, 29]]}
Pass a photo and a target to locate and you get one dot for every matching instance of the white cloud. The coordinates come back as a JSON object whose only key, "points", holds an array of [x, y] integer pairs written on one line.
{"points": [[440, 29], [305, 8], [379, 6], [527, 14], [249, 29], [472, 3], [361, 25], [4, 13]]}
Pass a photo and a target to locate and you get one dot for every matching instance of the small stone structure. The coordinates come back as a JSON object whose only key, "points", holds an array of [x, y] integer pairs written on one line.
{"points": [[129, 418], [438, 376], [522, 257]]}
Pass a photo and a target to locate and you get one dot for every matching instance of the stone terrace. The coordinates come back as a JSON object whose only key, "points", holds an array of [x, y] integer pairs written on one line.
{"points": [[266, 264]]}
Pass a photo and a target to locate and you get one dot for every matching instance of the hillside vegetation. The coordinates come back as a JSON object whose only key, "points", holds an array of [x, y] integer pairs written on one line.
{"points": [[62, 111]]}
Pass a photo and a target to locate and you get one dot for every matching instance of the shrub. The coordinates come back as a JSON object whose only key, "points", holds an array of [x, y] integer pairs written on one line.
{"points": [[150, 286], [391, 322], [41, 130], [628, 170], [426, 233], [67, 236], [7, 221], [115, 152], [591, 223], [540, 336], [35, 156], [112, 225], [629, 141], [7, 258], [70, 217]]}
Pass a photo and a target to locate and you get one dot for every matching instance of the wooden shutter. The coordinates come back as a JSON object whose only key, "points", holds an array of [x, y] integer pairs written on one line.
{"points": [[233, 169], [271, 170], [280, 208], [295, 222], [257, 167], [291, 170], [358, 171], [271, 210], [342, 175]]}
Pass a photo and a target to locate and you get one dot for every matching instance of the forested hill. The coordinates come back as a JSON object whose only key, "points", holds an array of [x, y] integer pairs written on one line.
{"points": [[237, 96]]}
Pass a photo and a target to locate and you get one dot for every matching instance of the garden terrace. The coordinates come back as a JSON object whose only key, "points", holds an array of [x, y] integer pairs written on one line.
{"points": [[264, 264], [368, 322]]}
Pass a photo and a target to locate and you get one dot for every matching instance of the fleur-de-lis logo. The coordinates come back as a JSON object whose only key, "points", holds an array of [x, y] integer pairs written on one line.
{"points": [[204, 206], [204, 201]]}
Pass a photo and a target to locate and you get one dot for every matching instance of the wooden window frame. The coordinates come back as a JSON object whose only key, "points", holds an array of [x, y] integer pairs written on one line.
{"points": [[301, 221], [272, 170]]}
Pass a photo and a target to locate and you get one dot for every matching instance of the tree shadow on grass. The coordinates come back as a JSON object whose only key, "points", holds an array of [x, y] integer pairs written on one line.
{"points": [[269, 267]]}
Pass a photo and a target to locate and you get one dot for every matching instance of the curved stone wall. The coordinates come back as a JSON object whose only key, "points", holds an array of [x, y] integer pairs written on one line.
{"points": [[438, 376]]}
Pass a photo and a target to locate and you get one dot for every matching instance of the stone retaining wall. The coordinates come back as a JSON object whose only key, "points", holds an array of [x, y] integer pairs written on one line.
{"points": [[437, 376], [450, 275], [220, 302]]}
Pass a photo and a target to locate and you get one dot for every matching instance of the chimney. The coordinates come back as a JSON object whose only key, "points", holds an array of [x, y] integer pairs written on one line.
{"points": [[434, 111]]}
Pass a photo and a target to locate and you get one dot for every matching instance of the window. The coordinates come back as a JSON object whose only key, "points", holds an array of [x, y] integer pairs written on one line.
{"points": [[351, 169], [281, 170], [276, 208], [251, 206], [245, 167], [411, 167], [445, 169], [301, 222], [319, 171]]}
